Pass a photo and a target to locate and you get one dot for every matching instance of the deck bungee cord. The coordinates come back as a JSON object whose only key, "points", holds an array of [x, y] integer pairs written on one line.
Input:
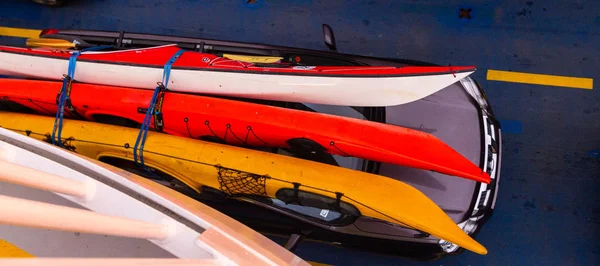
{"points": [[228, 130], [37, 103]]}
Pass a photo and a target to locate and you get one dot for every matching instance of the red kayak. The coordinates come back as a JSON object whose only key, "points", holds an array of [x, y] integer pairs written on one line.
{"points": [[201, 73], [249, 124]]}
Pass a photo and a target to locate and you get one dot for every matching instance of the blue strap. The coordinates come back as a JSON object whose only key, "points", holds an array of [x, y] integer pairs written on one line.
{"points": [[141, 138], [64, 95]]}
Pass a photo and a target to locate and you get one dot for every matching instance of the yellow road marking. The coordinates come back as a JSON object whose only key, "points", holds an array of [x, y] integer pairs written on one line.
{"points": [[539, 79], [8, 250], [18, 32]]}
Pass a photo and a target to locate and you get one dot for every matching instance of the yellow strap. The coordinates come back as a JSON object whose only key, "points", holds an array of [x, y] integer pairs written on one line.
{"points": [[253, 59]]}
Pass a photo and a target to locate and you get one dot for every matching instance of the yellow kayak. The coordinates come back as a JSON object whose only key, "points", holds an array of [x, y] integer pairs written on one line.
{"points": [[238, 171]]}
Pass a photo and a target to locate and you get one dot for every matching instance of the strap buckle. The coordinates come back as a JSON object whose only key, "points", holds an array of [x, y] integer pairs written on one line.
{"points": [[157, 112]]}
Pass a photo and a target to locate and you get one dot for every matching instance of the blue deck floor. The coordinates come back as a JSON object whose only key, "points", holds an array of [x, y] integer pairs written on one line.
{"points": [[548, 211]]}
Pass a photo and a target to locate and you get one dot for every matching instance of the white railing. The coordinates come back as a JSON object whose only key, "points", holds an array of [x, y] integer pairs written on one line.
{"points": [[25, 176], [22, 212]]}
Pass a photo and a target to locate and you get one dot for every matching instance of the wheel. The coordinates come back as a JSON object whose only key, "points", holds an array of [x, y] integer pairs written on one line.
{"points": [[52, 3]]}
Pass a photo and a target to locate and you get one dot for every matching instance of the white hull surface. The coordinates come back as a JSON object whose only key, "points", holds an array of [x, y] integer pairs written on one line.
{"points": [[105, 212], [332, 90]]}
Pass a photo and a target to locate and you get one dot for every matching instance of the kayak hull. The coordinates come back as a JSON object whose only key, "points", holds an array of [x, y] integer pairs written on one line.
{"points": [[248, 124], [351, 87]]}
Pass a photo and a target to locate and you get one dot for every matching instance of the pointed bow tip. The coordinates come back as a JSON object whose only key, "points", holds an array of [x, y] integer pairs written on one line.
{"points": [[481, 250], [475, 247], [482, 177], [485, 178]]}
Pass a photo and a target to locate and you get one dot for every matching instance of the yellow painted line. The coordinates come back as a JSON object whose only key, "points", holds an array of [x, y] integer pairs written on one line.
{"points": [[18, 32], [539, 79], [8, 250]]}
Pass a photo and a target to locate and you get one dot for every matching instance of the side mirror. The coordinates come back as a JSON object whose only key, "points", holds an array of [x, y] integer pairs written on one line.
{"points": [[329, 37]]}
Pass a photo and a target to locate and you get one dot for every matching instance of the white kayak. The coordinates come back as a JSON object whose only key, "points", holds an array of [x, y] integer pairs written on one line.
{"points": [[58, 205], [201, 73]]}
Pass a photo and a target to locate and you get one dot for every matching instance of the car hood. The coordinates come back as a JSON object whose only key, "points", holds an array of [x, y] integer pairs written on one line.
{"points": [[452, 116], [449, 114]]}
